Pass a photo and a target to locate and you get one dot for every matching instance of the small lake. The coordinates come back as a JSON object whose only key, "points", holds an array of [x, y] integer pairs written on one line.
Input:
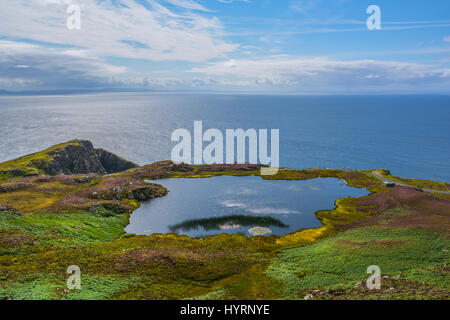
{"points": [[249, 205]]}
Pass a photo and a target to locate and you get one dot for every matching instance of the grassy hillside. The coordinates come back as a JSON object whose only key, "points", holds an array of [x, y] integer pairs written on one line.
{"points": [[49, 223], [26, 165], [73, 157]]}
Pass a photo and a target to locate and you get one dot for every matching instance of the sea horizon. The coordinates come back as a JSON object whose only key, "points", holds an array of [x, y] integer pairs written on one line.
{"points": [[354, 122]]}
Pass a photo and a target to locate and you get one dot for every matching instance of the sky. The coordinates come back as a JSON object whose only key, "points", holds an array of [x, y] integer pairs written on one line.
{"points": [[295, 46]]}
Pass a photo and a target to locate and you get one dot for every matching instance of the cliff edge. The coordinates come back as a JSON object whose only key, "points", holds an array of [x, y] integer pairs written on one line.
{"points": [[73, 157]]}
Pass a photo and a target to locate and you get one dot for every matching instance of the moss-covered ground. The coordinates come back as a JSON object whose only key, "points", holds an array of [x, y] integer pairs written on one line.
{"points": [[50, 223], [413, 262], [420, 183], [25, 166]]}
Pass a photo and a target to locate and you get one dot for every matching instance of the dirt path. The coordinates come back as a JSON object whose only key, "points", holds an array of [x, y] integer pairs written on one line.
{"points": [[379, 176]]}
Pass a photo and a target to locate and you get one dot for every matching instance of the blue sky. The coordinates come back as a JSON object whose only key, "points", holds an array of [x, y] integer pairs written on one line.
{"points": [[300, 46]]}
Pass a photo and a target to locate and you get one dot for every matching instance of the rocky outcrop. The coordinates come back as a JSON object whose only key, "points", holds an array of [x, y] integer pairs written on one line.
{"points": [[10, 210], [73, 157], [111, 162], [117, 188], [146, 192], [14, 187]]}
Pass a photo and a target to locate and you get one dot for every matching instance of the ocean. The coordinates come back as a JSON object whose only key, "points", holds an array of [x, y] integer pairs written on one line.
{"points": [[409, 135]]}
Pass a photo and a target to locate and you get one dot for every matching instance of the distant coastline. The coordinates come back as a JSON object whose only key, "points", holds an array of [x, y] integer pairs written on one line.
{"points": [[57, 92]]}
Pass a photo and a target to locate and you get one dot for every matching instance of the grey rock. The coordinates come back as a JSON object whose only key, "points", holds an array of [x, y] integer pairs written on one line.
{"points": [[76, 157]]}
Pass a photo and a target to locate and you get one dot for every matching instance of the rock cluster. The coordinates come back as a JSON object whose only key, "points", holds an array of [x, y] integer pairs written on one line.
{"points": [[9, 209], [82, 158], [13, 187], [73, 157]]}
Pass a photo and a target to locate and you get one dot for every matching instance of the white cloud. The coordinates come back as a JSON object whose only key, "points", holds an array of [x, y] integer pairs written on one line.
{"points": [[33, 66], [228, 226], [168, 30], [30, 65], [299, 188], [18, 82], [187, 4], [319, 72], [231, 1], [270, 210], [447, 39], [109, 28], [233, 204], [258, 210]]}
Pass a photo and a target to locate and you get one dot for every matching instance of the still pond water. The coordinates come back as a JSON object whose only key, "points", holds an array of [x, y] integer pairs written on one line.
{"points": [[248, 205]]}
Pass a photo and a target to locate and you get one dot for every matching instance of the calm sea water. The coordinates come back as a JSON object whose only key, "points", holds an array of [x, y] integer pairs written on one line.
{"points": [[408, 134], [200, 207]]}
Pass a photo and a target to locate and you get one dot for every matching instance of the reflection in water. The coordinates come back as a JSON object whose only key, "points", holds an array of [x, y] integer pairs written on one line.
{"points": [[226, 222], [259, 231], [227, 204]]}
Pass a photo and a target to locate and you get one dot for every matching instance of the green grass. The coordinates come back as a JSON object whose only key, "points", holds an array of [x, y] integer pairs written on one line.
{"points": [[36, 248], [411, 253], [27, 164], [396, 212], [166, 266], [68, 229], [52, 286], [420, 183], [95, 287], [217, 294], [32, 287]]}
